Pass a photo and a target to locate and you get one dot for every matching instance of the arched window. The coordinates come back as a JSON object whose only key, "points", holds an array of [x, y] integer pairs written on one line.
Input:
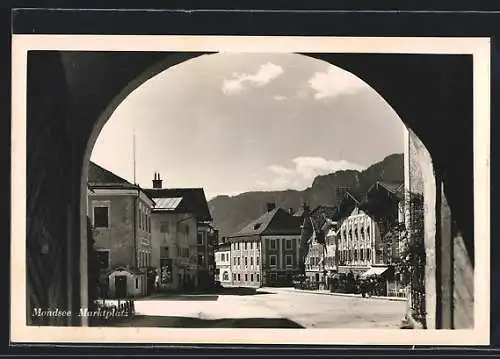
{"points": [[225, 276]]}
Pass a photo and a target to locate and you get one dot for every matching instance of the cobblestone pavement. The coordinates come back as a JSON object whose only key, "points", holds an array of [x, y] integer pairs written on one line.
{"points": [[265, 308]]}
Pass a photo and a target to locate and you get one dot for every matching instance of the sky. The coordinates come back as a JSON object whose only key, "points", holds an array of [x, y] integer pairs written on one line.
{"points": [[233, 123]]}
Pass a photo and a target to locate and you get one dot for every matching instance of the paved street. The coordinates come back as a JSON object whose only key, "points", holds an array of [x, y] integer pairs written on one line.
{"points": [[266, 308]]}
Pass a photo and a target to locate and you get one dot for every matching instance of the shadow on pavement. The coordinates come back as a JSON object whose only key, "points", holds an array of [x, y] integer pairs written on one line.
{"points": [[241, 291], [193, 296], [181, 297], [187, 322]]}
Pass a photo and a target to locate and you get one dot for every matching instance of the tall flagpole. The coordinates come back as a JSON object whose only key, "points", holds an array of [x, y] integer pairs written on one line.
{"points": [[133, 150]]}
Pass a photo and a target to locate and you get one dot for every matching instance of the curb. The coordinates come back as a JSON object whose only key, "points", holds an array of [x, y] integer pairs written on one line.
{"points": [[393, 299]]}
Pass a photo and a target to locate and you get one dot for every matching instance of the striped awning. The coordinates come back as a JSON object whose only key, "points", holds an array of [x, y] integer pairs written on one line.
{"points": [[374, 271]]}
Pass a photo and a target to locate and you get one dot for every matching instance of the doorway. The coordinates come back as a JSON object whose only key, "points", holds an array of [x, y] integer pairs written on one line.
{"points": [[121, 286]]}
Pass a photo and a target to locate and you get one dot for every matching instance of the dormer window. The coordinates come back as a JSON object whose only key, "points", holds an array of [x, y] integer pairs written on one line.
{"points": [[257, 226]]}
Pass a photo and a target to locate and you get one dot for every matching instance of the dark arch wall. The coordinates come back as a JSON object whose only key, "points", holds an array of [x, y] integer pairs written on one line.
{"points": [[69, 93]]}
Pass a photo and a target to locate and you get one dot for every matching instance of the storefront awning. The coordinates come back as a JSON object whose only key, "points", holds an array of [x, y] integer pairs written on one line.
{"points": [[374, 271]]}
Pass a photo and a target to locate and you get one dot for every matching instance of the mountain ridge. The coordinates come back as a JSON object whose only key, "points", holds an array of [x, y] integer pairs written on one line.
{"points": [[231, 213]]}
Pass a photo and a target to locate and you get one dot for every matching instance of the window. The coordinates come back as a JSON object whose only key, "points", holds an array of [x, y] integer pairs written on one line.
{"points": [[139, 218], [257, 260], [272, 260], [246, 261], [251, 245], [246, 277], [234, 260], [245, 245], [251, 261], [222, 257], [103, 259], [368, 254], [225, 276], [239, 277], [288, 244], [238, 245], [272, 243], [200, 260], [362, 255], [200, 238], [234, 276], [289, 260], [239, 261], [251, 277], [257, 245], [137, 282], [258, 278], [149, 224], [101, 217]]}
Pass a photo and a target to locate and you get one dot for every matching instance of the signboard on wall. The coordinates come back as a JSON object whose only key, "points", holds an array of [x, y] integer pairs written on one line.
{"points": [[166, 270]]}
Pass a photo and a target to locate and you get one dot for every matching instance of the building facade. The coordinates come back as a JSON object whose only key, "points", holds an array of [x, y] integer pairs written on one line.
{"points": [[120, 215], [223, 264], [183, 238], [359, 243], [265, 252], [320, 258]]}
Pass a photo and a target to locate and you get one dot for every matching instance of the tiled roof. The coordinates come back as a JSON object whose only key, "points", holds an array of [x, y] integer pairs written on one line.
{"points": [[193, 200], [396, 188], [223, 247], [277, 221], [99, 175]]}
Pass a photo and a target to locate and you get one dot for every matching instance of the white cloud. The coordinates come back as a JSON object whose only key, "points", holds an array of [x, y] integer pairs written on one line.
{"points": [[335, 82], [279, 98], [265, 74], [303, 173]]}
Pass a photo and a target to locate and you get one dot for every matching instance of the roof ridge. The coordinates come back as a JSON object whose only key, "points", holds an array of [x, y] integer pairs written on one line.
{"points": [[108, 172]]}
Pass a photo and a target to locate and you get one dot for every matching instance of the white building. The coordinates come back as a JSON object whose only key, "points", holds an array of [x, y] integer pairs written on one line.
{"points": [[223, 263], [358, 242]]}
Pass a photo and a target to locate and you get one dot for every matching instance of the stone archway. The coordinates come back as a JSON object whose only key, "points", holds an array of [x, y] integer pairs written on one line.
{"points": [[94, 83]]}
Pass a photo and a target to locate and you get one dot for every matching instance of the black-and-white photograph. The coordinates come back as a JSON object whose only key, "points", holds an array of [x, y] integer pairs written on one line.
{"points": [[206, 183]]}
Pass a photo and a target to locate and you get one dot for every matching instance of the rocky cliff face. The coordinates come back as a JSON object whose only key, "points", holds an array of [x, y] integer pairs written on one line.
{"points": [[232, 213]]}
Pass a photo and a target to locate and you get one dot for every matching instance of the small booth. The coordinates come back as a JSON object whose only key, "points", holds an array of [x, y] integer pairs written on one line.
{"points": [[383, 276], [126, 283]]}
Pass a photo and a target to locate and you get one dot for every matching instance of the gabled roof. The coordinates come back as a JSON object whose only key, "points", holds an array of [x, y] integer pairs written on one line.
{"points": [[347, 204], [278, 221], [223, 247], [190, 200], [396, 188], [321, 212], [98, 175]]}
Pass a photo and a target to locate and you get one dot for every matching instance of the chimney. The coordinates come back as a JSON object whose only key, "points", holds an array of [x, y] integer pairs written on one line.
{"points": [[157, 182], [291, 211], [270, 206], [305, 206]]}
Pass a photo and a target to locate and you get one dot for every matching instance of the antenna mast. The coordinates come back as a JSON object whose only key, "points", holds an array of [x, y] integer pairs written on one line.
{"points": [[133, 150]]}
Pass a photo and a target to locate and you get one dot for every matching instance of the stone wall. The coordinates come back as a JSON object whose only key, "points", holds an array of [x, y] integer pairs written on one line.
{"points": [[421, 181]]}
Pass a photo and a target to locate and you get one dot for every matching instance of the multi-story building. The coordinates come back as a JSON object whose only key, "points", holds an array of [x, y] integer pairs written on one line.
{"points": [[320, 255], [359, 243], [223, 263], [120, 214], [182, 237], [361, 246], [265, 252]]}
